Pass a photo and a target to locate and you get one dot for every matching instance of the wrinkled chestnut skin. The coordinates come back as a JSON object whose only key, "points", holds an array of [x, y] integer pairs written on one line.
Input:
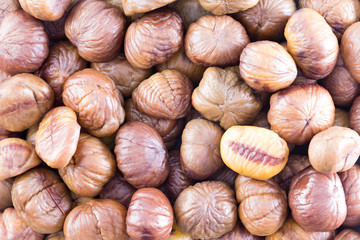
{"points": [[5, 193], [239, 232], [295, 164], [154, 38], [118, 189], [317, 200], [164, 95], [55, 236], [341, 85], [189, 10], [96, 219], [227, 6], [312, 43], [23, 43], [338, 14], [200, 149], [222, 97], [215, 41], [57, 137], [46, 10], [299, 112], [355, 115], [91, 167], [267, 19], [24, 99], [17, 156], [150, 215], [263, 205], [267, 66], [13, 228], [125, 76], [182, 63], [96, 100], [226, 175], [7, 6], [351, 185], [177, 180], [335, 149], [41, 199], [96, 28], [291, 230], [132, 7], [206, 210], [342, 118], [347, 234], [141, 155], [62, 62], [350, 49]]}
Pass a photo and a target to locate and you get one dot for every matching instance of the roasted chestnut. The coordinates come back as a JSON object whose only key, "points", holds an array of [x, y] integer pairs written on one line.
{"points": [[46, 10], [7, 6], [239, 232], [132, 7], [189, 10], [347, 234], [227, 6]]}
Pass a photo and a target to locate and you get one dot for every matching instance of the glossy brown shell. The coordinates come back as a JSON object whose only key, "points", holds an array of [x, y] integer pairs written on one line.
{"points": [[206, 210], [96, 219], [141, 155], [215, 41], [96, 28], [227, 6], [350, 49], [317, 200], [5, 193], [46, 10], [150, 215], [347, 234], [41, 199], [23, 43]]}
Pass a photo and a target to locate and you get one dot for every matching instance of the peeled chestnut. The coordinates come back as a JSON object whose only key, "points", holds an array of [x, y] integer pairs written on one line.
{"points": [[239, 232], [263, 205], [347, 234], [7, 6], [227, 6], [46, 10], [261, 120], [150, 215], [206, 210], [317, 200], [189, 10], [342, 118], [5, 193], [355, 115], [312, 43], [350, 49], [132, 7]]}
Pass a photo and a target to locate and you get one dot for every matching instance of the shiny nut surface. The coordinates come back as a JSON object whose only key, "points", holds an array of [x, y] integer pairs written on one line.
{"points": [[335, 149], [206, 210], [253, 151], [239, 232], [312, 43], [227, 6], [141, 155], [347, 234], [164, 95], [150, 215], [299, 112], [5, 193], [263, 205], [350, 49], [57, 137], [267, 66], [215, 41], [46, 10], [7, 6], [132, 7], [189, 10]]}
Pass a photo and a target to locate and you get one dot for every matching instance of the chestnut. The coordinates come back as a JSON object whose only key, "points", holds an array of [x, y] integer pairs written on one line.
{"points": [[96, 219], [55, 236], [317, 200], [189, 10], [5, 193], [7, 6], [150, 215], [46, 10], [263, 205], [7, 134], [4, 76], [206, 210], [96, 28], [141, 155], [56, 29], [312, 43], [347, 234], [350, 49], [342, 118], [132, 7], [261, 120], [239, 232], [215, 41], [41, 200], [227, 7], [354, 115]]}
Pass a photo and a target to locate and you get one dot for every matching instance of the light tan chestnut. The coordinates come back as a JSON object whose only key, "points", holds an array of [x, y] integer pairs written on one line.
{"points": [[46, 10], [227, 6], [57, 137], [253, 151], [132, 7]]}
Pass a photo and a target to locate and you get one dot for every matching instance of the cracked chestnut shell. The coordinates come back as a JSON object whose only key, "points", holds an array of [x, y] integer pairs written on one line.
{"points": [[150, 215], [215, 41], [132, 7], [141, 155], [347, 234], [317, 200], [24, 99], [350, 49], [221, 96], [350, 182], [7, 6], [267, 19], [227, 6], [24, 44], [96, 219], [189, 10], [200, 149], [342, 118], [90, 168], [41, 199], [62, 62], [299, 112], [5, 193], [164, 95], [96, 100], [263, 205], [206, 210], [13, 228], [312, 43], [96, 28], [46, 10]]}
